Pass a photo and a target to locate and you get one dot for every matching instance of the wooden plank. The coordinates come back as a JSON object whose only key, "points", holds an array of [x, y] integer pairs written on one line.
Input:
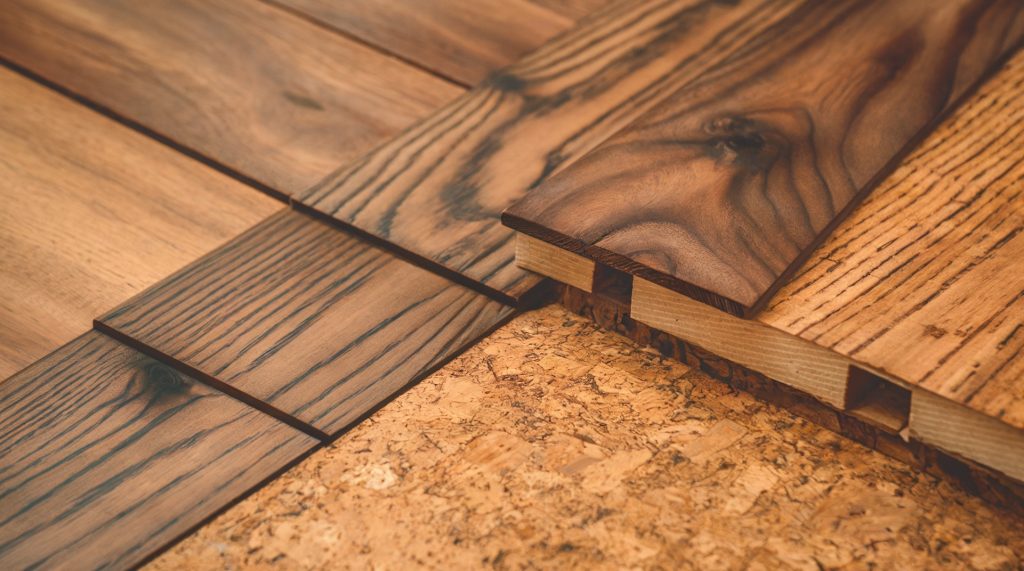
{"points": [[93, 213], [724, 189], [109, 455], [438, 189], [575, 9], [307, 319], [462, 40], [273, 97]]}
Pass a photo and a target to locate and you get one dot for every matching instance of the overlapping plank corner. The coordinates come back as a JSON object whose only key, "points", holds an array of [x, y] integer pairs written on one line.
{"points": [[737, 197]]}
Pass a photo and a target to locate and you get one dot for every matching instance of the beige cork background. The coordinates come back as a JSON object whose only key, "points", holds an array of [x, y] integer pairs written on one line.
{"points": [[554, 444]]}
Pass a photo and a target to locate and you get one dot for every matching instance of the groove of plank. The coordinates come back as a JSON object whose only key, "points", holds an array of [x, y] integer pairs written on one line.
{"points": [[438, 189], [109, 455], [724, 189], [459, 39], [92, 214], [267, 94], [307, 318]]}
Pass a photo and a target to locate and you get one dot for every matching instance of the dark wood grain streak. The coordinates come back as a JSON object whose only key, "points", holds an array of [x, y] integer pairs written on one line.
{"points": [[438, 189], [462, 40], [266, 94], [309, 319], [726, 187], [107, 455]]}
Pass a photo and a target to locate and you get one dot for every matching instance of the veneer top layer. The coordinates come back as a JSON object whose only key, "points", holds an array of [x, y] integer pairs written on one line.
{"points": [[725, 188], [306, 319]]}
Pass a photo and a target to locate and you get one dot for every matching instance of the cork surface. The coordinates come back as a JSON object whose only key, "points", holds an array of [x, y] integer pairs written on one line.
{"points": [[553, 443]]}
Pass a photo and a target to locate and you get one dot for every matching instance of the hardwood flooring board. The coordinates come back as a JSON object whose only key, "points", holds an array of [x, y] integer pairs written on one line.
{"points": [[108, 455], [91, 213], [724, 189], [924, 280], [464, 40], [309, 319], [438, 189], [267, 94]]}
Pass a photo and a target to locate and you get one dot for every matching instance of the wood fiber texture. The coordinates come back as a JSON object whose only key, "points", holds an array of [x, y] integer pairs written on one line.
{"points": [[553, 444], [463, 40], [278, 99], [575, 9], [438, 189], [108, 455], [307, 319], [92, 213], [925, 281], [723, 190]]}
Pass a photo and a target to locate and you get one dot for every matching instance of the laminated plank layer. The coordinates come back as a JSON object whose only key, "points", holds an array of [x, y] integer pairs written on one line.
{"points": [[725, 188], [92, 213], [306, 320], [109, 455], [438, 189], [267, 94]]}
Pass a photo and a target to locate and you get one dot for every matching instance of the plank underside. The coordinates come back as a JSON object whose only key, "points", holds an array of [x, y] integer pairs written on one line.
{"points": [[463, 40], [438, 189], [276, 98], [307, 319], [109, 455], [725, 188], [91, 213]]}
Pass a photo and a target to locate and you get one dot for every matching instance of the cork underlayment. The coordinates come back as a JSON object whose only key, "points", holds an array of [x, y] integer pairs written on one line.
{"points": [[553, 443]]}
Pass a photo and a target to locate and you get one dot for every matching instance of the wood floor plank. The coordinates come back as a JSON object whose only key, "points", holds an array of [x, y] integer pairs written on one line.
{"points": [[307, 318], [109, 455], [92, 213], [464, 40], [274, 97], [438, 189], [924, 280], [724, 189]]}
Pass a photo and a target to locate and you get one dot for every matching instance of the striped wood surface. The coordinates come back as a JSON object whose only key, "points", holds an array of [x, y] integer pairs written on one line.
{"points": [[438, 189], [463, 40], [307, 319], [92, 213], [107, 455], [274, 97]]}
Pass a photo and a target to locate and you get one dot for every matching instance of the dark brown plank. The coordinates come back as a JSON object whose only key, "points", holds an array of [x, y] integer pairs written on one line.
{"points": [[308, 319], [463, 40], [724, 189], [108, 455], [91, 213], [438, 189], [274, 97]]}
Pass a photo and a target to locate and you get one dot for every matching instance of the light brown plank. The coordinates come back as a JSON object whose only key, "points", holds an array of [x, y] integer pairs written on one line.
{"points": [[307, 319], [109, 455], [273, 97], [91, 213], [463, 40]]}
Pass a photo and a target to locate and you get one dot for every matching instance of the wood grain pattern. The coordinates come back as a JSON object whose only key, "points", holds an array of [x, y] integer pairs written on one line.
{"points": [[463, 40], [723, 190], [924, 281], [575, 9], [91, 213], [269, 95], [438, 189], [308, 319], [108, 455]]}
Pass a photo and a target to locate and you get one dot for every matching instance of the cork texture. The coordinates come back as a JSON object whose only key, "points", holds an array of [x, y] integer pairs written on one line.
{"points": [[554, 444]]}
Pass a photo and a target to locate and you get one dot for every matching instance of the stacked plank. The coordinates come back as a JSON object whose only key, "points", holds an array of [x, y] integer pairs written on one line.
{"points": [[706, 212]]}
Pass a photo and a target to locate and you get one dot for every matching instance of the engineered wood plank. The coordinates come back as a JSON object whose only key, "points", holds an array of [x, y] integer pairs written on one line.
{"points": [[724, 189], [437, 190], [108, 455], [307, 319], [277, 99], [91, 213], [463, 40]]}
